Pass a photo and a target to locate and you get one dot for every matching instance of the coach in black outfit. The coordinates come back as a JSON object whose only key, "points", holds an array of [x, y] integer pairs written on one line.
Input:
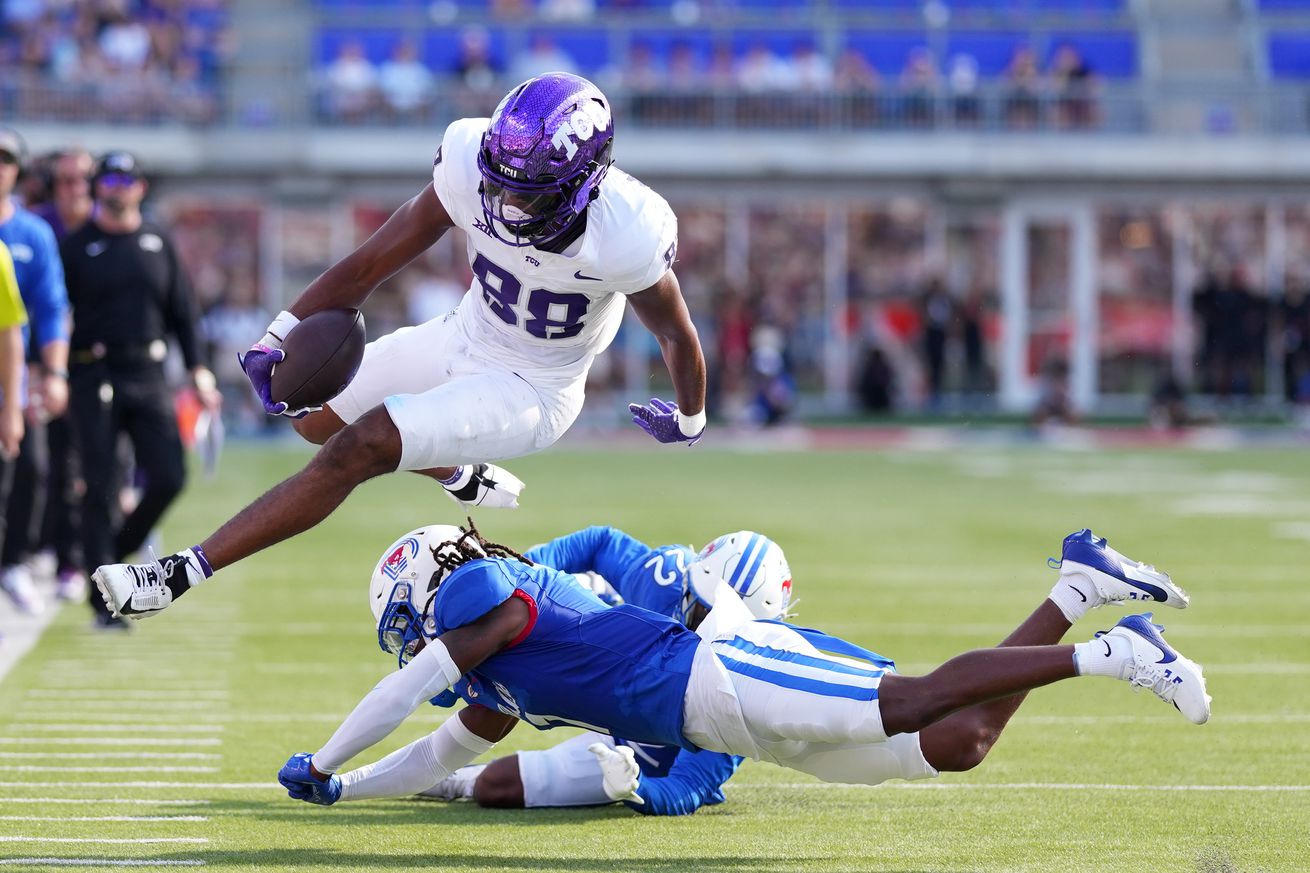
{"points": [[128, 291]]}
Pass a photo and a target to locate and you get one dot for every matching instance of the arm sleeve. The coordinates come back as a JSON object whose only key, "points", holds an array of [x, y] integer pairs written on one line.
{"points": [[180, 313], [695, 780], [418, 766], [12, 311], [604, 550], [49, 294], [389, 703]]}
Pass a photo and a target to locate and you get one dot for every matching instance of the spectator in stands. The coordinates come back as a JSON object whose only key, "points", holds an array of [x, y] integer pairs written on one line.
{"points": [[762, 71], [567, 10], [1023, 86], [542, 56], [856, 81], [477, 73], [722, 73], [966, 105], [973, 316], [685, 78], [1054, 405], [644, 81], [405, 83], [475, 67], [1074, 85], [919, 87], [936, 318], [350, 82], [810, 70], [875, 381], [1294, 310]]}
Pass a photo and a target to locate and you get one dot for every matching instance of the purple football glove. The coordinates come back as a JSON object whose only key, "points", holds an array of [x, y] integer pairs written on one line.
{"points": [[258, 364], [662, 421]]}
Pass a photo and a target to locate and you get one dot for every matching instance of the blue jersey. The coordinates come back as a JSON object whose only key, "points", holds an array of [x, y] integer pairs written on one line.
{"points": [[40, 275], [652, 578], [617, 670]]}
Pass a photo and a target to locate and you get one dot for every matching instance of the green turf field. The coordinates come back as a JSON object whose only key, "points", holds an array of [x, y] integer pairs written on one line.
{"points": [[175, 733]]}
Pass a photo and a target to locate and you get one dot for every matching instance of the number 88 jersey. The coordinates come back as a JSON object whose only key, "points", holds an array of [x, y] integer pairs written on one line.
{"points": [[533, 309]]}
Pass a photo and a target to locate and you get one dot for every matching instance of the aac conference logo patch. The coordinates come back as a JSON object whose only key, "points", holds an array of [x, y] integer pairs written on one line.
{"points": [[398, 561]]}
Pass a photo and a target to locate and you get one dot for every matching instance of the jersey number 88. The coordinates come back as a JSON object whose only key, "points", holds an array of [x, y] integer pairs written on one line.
{"points": [[550, 314]]}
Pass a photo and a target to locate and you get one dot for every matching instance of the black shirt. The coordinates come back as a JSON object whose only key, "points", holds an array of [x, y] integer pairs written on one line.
{"points": [[128, 290]]}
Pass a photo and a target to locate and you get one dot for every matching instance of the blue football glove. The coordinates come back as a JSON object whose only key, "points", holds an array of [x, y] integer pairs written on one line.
{"points": [[301, 783]]}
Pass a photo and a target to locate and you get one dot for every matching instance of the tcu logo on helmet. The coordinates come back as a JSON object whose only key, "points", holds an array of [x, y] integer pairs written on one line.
{"points": [[582, 124], [398, 561]]}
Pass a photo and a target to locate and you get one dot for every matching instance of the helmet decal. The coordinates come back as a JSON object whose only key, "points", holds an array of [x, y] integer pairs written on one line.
{"points": [[397, 562]]}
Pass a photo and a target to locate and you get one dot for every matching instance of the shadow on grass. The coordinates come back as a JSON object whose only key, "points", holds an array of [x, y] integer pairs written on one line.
{"points": [[406, 811]]}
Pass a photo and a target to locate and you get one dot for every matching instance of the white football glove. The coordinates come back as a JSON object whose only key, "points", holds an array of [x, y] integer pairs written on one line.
{"points": [[620, 771]]}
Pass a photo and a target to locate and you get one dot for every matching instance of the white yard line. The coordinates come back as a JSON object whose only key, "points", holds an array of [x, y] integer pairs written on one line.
{"points": [[1022, 786], [107, 840], [25, 768], [101, 756], [207, 786], [110, 741], [102, 693], [104, 818], [119, 728], [21, 634], [96, 801], [102, 862]]}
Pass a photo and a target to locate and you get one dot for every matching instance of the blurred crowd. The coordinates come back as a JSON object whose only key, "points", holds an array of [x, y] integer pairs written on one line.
{"points": [[683, 83], [140, 61]]}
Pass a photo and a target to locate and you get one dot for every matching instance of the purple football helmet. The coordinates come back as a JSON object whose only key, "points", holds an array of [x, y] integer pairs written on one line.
{"points": [[543, 157]]}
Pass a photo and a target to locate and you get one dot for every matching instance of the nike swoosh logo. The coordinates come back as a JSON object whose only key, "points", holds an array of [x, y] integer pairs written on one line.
{"points": [[1108, 650], [578, 275], [1133, 577], [1079, 593]]}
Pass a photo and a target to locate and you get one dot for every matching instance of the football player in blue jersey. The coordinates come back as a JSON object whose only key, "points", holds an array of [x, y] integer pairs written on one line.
{"points": [[671, 580], [524, 642]]}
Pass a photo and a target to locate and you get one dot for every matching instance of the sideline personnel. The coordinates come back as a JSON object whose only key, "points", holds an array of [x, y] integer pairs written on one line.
{"points": [[128, 291]]}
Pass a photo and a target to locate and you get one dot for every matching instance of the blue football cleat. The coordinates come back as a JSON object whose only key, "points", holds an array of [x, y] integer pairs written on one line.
{"points": [[1156, 665], [1102, 575]]}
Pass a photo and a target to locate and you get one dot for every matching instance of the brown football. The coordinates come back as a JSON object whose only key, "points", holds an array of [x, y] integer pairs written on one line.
{"points": [[323, 352]]}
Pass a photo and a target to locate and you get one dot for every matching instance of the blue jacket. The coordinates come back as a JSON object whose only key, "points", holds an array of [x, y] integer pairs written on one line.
{"points": [[40, 275]]}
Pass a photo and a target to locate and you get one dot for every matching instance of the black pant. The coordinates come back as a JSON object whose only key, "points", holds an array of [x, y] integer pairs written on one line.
{"points": [[25, 508], [59, 530], [109, 400]]}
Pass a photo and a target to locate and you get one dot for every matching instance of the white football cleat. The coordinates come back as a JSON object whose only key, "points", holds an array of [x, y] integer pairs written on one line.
{"points": [[142, 590], [1156, 665], [17, 583], [484, 485], [1101, 575], [456, 786]]}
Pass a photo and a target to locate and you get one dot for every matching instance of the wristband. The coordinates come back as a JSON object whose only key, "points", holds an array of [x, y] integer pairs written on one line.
{"points": [[58, 374], [691, 425], [278, 329]]}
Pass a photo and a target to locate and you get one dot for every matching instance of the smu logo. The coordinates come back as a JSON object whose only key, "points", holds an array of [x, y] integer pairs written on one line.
{"points": [[786, 594], [399, 559]]}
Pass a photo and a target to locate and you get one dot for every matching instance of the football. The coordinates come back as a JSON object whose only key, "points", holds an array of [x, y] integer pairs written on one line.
{"points": [[323, 353]]}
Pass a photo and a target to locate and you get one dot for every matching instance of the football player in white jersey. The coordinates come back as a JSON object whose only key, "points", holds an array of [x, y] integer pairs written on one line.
{"points": [[558, 241]]}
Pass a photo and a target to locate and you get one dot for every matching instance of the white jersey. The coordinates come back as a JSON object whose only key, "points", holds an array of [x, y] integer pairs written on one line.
{"points": [[538, 310]]}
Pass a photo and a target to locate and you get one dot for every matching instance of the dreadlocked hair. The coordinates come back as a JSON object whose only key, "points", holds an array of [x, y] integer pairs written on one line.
{"points": [[469, 546]]}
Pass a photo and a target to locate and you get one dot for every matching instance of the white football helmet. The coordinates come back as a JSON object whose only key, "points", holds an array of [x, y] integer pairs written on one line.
{"points": [[403, 584], [752, 564]]}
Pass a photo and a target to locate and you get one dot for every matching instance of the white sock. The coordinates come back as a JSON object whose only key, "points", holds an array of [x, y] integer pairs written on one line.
{"points": [[1103, 656], [1074, 595], [196, 564], [459, 479]]}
